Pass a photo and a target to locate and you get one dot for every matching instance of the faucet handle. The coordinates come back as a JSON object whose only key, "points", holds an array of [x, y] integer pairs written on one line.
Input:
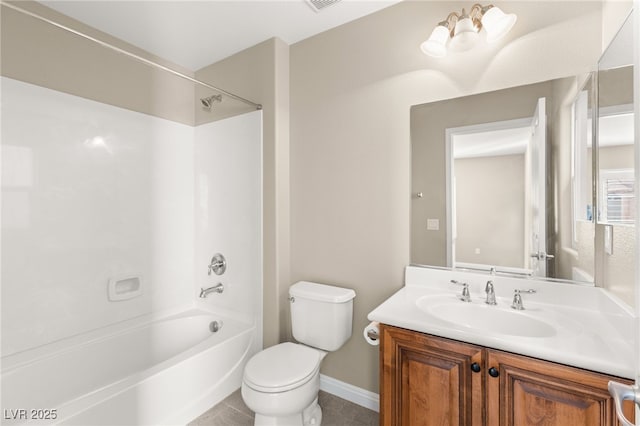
{"points": [[517, 298], [218, 264], [517, 301], [465, 296]]}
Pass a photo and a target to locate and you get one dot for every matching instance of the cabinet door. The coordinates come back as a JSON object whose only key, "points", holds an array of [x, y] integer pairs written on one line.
{"points": [[427, 380], [534, 392]]}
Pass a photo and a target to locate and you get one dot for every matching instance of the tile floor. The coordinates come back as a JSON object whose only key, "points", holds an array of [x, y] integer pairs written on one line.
{"points": [[335, 412]]}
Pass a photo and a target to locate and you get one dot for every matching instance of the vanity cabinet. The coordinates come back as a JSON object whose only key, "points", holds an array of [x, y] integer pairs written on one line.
{"points": [[429, 380]]}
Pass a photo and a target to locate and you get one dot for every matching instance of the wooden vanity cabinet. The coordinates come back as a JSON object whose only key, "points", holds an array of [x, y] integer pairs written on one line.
{"points": [[529, 391], [429, 380]]}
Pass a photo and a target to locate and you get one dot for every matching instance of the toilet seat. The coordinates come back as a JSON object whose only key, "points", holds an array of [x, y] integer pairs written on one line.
{"points": [[282, 367]]}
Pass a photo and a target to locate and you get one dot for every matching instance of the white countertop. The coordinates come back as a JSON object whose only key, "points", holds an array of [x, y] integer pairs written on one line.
{"points": [[594, 330]]}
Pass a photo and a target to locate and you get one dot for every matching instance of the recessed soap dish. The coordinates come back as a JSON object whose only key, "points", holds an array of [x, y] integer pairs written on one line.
{"points": [[124, 287]]}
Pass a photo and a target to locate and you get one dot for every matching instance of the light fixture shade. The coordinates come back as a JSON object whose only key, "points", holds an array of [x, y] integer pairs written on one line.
{"points": [[497, 24], [436, 44], [465, 35]]}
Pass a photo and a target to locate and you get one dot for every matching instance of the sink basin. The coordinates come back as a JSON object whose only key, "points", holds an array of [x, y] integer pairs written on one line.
{"points": [[484, 318]]}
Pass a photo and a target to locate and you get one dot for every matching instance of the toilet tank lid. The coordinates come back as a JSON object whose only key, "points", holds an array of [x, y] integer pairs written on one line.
{"points": [[321, 292]]}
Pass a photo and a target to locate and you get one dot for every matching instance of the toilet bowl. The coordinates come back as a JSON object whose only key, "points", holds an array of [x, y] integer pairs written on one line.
{"points": [[281, 383]]}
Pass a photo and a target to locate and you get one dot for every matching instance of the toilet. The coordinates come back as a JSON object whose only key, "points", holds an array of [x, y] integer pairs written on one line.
{"points": [[281, 383]]}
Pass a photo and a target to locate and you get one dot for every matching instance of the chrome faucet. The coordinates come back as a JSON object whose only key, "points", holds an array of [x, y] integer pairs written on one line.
{"points": [[218, 288], [491, 294]]}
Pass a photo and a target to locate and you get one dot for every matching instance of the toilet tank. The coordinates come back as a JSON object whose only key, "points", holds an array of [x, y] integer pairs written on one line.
{"points": [[321, 315]]}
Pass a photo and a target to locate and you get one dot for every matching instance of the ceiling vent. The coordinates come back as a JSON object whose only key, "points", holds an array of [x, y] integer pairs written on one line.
{"points": [[318, 5]]}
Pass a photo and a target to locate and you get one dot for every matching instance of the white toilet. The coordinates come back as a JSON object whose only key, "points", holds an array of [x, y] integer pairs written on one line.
{"points": [[281, 383]]}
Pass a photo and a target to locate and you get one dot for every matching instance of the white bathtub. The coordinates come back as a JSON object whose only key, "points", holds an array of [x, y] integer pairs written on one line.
{"points": [[145, 371]]}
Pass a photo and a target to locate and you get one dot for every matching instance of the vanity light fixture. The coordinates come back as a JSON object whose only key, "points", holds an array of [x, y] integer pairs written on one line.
{"points": [[461, 30]]}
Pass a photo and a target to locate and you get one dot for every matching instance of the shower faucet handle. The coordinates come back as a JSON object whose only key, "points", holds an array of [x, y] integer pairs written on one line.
{"points": [[218, 264]]}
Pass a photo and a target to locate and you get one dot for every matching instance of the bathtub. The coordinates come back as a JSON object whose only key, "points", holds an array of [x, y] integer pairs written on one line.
{"points": [[146, 371]]}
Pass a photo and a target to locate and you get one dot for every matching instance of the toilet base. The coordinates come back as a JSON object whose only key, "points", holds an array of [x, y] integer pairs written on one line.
{"points": [[310, 416]]}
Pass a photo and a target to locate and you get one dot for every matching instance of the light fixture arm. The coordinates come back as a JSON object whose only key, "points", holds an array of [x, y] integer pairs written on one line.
{"points": [[450, 21], [475, 14], [462, 29]]}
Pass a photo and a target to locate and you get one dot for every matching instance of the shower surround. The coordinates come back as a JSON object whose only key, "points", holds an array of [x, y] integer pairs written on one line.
{"points": [[93, 194]]}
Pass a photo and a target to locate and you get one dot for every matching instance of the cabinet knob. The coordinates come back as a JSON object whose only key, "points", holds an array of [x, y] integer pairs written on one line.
{"points": [[475, 367], [493, 372]]}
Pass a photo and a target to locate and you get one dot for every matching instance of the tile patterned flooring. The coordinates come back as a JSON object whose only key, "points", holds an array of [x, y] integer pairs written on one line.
{"points": [[335, 412]]}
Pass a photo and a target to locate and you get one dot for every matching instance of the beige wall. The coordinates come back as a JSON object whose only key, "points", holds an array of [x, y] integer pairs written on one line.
{"points": [[261, 73], [490, 203], [39, 53], [614, 12], [615, 157], [615, 87], [351, 93]]}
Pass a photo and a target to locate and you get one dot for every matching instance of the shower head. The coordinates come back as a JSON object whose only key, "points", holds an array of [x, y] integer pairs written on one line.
{"points": [[207, 102]]}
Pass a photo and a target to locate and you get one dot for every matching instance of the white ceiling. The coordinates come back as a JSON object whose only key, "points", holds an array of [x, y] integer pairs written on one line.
{"points": [[195, 34]]}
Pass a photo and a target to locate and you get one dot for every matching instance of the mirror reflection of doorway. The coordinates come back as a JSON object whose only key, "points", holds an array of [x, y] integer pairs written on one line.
{"points": [[496, 195]]}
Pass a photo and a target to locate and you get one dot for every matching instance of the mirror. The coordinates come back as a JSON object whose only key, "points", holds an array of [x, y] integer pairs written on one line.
{"points": [[615, 189], [502, 164]]}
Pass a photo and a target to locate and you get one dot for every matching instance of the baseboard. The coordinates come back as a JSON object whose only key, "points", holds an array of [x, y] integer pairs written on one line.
{"points": [[362, 397]]}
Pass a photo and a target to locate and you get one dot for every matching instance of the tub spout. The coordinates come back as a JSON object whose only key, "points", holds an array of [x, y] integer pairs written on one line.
{"points": [[204, 292]]}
